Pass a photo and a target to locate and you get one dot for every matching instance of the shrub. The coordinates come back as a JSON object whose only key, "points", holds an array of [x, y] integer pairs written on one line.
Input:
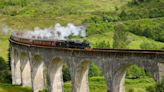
{"points": [[135, 72], [98, 28], [162, 48], [66, 73], [44, 90], [120, 38], [150, 89], [107, 18], [102, 18], [156, 88], [14, 2], [102, 44], [136, 2], [148, 9], [148, 46], [160, 87], [151, 30], [123, 15], [131, 90], [94, 70]]}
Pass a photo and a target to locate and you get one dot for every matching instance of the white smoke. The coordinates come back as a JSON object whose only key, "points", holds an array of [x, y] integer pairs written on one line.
{"points": [[57, 32], [5, 29]]}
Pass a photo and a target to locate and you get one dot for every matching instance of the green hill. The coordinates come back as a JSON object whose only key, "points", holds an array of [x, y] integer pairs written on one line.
{"points": [[143, 19], [51, 8], [99, 16], [23, 15]]}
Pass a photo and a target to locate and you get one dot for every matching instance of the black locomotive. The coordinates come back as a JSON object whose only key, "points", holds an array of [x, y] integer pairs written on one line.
{"points": [[72, 44]]}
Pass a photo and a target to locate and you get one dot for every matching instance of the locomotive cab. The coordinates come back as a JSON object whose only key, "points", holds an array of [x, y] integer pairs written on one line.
{"points": [[86, 44]]}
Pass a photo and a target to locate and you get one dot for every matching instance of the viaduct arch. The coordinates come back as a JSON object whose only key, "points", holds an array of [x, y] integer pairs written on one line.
{"points": [[28, 62]]}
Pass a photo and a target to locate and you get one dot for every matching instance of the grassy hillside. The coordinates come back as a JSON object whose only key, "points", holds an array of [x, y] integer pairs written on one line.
{"points": [[99, 16], [51, 8], [135, 40], [143, 9], [22, 15], [144, 21]]}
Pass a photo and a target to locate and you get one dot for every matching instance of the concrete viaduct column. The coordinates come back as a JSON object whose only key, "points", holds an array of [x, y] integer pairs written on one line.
{"points": [[115, 71], [12, 65], [118, 81], [107, 71], [161, 71], [79, 75], [55, 77], [25, 70], [16, 68], [37, 76], [114, 76]]}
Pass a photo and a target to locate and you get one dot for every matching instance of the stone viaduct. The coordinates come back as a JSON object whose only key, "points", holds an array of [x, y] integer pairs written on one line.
{"points": [[38, 66]]}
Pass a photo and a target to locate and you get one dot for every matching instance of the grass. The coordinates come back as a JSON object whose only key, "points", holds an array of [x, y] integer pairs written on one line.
{"points": [[13, 88], [4, 45], [58, 7], [139, 85], [137, 40], [44, 14], [96, 84]]}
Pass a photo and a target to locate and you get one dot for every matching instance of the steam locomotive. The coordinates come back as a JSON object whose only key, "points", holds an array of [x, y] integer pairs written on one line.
{"points": [[50, 43]]}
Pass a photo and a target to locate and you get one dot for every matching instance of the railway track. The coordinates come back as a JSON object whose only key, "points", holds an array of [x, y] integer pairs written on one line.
{"points": [[94, 49]]}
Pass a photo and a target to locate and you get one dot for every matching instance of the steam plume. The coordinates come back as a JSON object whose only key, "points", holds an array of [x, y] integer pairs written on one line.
{"points": [[57, 32], [5, 29]]}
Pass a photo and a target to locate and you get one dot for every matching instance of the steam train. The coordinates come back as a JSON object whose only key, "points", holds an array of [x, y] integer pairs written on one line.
{"points": [[50, 43]]}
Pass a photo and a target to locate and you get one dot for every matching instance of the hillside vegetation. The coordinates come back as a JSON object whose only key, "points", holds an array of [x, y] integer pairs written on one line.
{"points": [[54, 8], [139, 23]]}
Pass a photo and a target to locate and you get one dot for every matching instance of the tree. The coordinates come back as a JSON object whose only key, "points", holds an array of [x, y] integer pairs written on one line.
{"points": [[120, 38], [5, 76], [123, 15]]}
